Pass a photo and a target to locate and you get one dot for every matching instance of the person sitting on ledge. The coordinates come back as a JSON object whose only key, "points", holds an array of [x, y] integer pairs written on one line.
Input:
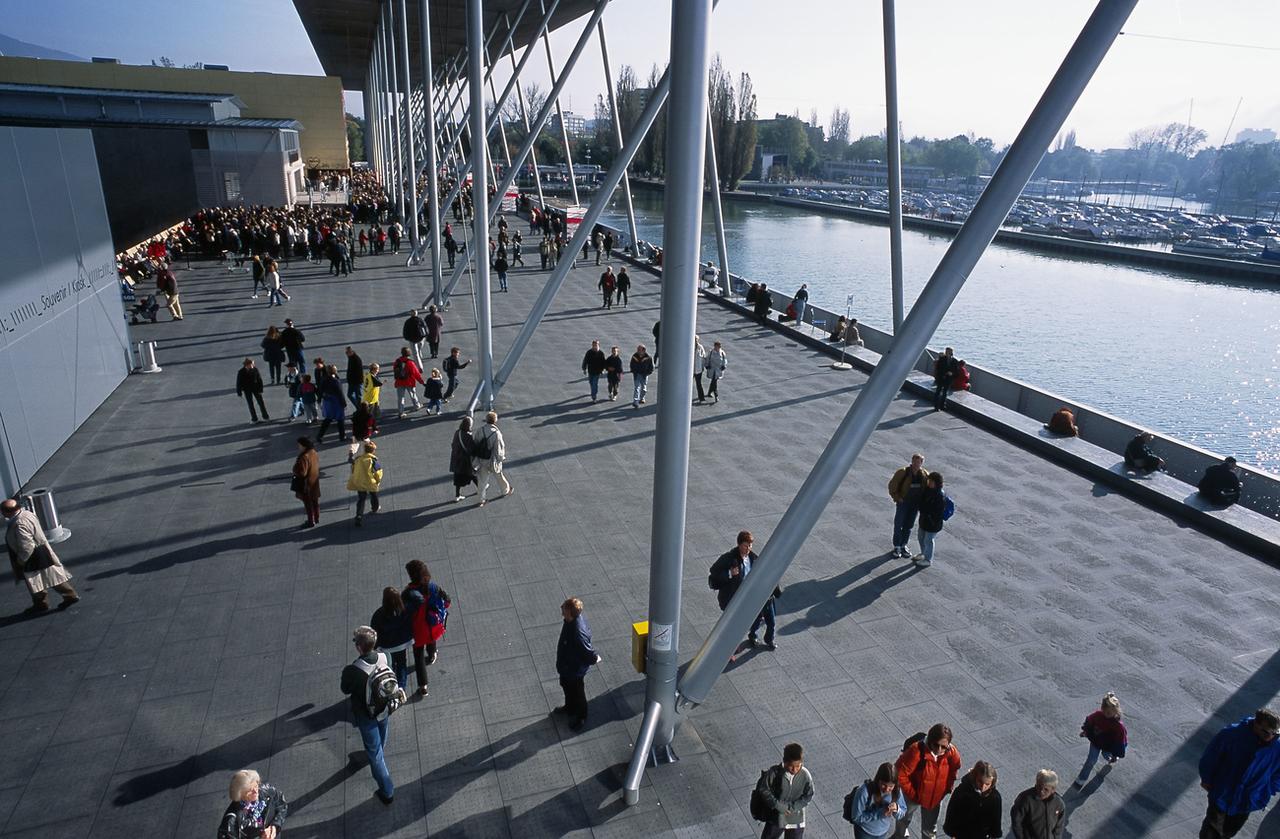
{"points": [[961, 379], [837, 333], [1063, 422], [1221, 483], [852, 337], [1139, 457]]}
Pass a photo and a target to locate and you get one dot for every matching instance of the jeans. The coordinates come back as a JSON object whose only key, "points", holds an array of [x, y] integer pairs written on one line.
{"points": [[416, 347], [768, 615], [904, 518], [403, 393], [926, 543], [772, 831], [594, 379], [374, 735], [608, 300], [453, 385], [940, 391], [928, 820], [1219, 825], [1090, 762], [641, 387], [361, 497], [800, 304], [354, 390], [575, 697], [274, 367], [274, 299], [502, 280]]}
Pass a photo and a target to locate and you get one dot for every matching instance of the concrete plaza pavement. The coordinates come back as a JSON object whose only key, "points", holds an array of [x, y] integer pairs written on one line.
{"points": [[212, 630]]}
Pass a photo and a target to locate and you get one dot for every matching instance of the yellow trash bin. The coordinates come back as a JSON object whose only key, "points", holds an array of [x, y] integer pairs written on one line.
{"points": [[639, 644]]}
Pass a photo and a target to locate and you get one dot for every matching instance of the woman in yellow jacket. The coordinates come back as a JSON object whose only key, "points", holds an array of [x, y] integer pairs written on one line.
{"points": [[366, 480]]}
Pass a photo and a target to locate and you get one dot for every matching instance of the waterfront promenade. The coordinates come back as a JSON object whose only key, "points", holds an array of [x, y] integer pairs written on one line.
{"points": [[212, 630]]}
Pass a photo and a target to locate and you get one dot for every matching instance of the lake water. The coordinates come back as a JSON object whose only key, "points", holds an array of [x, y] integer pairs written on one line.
{"points": [[1195, 358]]}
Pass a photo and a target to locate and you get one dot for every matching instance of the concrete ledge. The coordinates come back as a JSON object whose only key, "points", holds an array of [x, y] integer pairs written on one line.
{"points": [[1236, 525]]}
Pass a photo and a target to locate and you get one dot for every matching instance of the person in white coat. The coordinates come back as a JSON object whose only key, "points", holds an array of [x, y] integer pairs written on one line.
{"points": [[699, 362], [715, 364], [490, 451], [33, 559]]}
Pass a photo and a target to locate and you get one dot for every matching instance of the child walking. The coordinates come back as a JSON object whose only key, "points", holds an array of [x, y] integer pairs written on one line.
{"points": [[1106, 734], [309, 395], [435, 391]]}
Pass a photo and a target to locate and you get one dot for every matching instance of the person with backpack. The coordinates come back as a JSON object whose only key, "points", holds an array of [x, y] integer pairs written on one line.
{"points": [[366, 481], [489, 452], [875, 806], [407, 376], [905, 488], [394, 626], [363, 427], [933, 512], [782, 794], [1107, 737], [975, 809], [414, 333], [927, 770], [375, 694], [574, 657], [451, 366], [725, 577], [428, 608]]}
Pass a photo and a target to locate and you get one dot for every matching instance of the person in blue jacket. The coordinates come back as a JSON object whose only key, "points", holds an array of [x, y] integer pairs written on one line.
{"points": [[1240, 769], [574, 657], [878, 804]]}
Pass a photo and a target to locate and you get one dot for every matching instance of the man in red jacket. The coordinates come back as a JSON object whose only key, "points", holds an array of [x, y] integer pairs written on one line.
{"points": [[407, 374], [927, 772]]}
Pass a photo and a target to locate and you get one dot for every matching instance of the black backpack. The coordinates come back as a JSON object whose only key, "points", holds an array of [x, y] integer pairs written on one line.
{"points": [[402, 368], [918, 737], [847, 812], [483, 449], [760, 811]]}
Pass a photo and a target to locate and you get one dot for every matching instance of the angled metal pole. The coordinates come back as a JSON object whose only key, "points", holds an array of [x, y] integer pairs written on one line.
{"points": [[682, 240], [533, 154], [721, 244], [398, 117], [617, 137], [894, 144], [433, 165], [564, 129], [402, 19], [497, 115], [480, 192], [948, 278], [538, 124]]}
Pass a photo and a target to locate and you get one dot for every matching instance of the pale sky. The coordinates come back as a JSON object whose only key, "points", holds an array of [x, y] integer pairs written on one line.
{"points": [[975, 66]]}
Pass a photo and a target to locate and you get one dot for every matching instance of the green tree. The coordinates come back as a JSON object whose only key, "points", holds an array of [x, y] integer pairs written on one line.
{"points": [[355, 138]]}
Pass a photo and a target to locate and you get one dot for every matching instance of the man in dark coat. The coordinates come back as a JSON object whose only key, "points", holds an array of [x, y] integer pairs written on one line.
{"points": [[249, 385], [944, 370], [1221, 483], [451, 366], [435, 330], [593, 365], [574, 657], [355, 377], [726, 576], [414, 333], [293, 341], [763, 303]]}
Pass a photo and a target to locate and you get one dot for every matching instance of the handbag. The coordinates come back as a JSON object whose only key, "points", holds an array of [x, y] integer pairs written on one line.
{"points": [[40, 559], [297, 484]]}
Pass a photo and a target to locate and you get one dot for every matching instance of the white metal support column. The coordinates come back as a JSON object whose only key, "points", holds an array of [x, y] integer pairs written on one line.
{"points": [[717, 212], [893, 143], [480, 192], [564, 129], [931, 306], [433, 165], [397, 115], [411, 166], [617, 138], [524, 115]]}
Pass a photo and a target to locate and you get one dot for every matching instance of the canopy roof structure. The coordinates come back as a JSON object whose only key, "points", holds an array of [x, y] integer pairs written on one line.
{"points": [[342, 31]]}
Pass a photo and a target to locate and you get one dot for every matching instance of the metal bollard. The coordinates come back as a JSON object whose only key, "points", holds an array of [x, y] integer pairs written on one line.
{"points": [[147, 358], [40, 502]]}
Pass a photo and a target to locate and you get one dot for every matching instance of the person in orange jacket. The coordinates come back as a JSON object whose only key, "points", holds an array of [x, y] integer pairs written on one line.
{"points": [[927, 770]]}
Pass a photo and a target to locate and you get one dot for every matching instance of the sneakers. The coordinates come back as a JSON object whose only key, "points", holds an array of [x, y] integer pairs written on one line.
{"points": [[359, 521], [920, 561], [751, 639], [385, 799], [459, 498]]}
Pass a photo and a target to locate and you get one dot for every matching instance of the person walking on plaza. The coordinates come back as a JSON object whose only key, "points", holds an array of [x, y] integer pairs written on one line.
{"points": [[273, 353], [435, 330], [726, 576], [294, 342], [333, 405], [293, 385], [608, 282], [256, 811], [366, 481], [623, 285], [876, 805], [613, 372], [975, 809], [1107, 737], [273, 284], [1240, 770], [784, 791], [1038, 812], [800, 301], [414, 333], [490, 451], [373, 730], [451, 366], [699, 365], [371, 390], [501, 267], [641, 369], [1140, 457], [574, 657], [167, 283], [249, 385], [451, 248], [259, 275], [944, 370], [33, 560], [593, 364], [394, 626], [927, 770], [407, 377], [933, 512], [597, 244], [905, 489], [461, 453], [1221, 483], [544, 251], [715, 366], [363, 426], [355, 377], [428, 608], [306, 480]]}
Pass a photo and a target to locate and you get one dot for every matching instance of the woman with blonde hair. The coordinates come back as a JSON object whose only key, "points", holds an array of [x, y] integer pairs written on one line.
{"points": [[1106, 734], [257, 810], [366, 480], [975, 808]]}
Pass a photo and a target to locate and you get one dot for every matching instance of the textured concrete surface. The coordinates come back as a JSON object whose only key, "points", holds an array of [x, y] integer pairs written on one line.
{"points": [[212, 630]]}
